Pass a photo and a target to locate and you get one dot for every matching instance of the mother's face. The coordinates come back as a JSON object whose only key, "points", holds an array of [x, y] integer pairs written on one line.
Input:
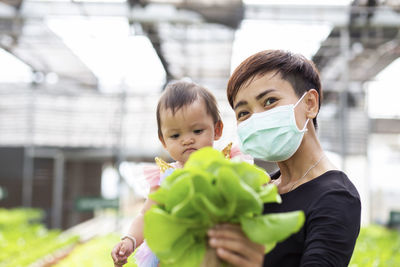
{"points": [[265, 92]]}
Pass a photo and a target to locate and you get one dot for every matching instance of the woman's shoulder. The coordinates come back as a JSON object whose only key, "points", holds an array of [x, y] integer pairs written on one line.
{"points": [[334, 189], [335, 181], [333, 184]]}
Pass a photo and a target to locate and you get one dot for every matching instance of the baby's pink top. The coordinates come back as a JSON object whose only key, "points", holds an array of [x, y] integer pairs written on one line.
{"points": [[236, 153], [153, 175]]}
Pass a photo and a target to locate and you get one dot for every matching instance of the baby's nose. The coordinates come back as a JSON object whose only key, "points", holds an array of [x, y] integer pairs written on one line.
{"points": [[188, 140]]}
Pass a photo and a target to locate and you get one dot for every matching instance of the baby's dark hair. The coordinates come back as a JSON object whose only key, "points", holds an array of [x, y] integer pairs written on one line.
{"points": [[178, 94]]}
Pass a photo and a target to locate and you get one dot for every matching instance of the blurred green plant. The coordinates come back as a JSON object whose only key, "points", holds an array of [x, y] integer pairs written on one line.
{"points": [[376, 246], [24, 240], [96, 252]]}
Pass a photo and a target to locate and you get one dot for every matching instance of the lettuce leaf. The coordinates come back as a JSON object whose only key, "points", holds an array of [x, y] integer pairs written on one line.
{"points": [[210, 190]]}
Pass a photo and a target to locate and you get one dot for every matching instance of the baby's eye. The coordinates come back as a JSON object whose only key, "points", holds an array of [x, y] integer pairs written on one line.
{"points": [[199, 131], [242, 114], [270, 101], [174, 136]]}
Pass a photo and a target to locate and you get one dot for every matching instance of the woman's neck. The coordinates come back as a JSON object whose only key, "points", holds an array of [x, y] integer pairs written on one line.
{"points": [[308, 162]]}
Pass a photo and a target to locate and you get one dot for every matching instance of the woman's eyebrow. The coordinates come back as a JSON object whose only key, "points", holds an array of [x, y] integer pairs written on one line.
{"points": [[240, 103], [262, 94], [258, 97]]}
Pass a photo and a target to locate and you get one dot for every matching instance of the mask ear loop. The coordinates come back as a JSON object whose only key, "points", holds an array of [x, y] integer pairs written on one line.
{"points": [[305, 125], [301, 98]]}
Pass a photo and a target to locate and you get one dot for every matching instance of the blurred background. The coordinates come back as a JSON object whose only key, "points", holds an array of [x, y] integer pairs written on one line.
{"points": [[80, 80]]}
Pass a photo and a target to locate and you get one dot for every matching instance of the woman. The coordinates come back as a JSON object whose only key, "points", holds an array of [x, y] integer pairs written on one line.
{"points": [[276, 97]]}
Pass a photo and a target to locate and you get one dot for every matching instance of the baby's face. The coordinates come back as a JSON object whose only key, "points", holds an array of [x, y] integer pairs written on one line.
{"points": [[188, 130]]}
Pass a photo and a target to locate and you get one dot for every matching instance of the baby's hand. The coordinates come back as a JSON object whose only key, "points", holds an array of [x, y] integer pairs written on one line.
{"points": [[121, 252]]}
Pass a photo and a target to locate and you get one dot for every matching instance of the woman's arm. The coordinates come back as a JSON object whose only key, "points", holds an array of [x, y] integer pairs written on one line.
{"points": [[234, 247], [332, 228]]}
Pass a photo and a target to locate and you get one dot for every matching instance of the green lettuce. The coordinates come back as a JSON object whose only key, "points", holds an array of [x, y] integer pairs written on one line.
{"points": [[210, 190]]}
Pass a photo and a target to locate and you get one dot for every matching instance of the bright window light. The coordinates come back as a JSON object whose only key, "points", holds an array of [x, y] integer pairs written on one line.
{"points": [[254, 36], [100, 1], [297, 2], [384, 94], [15, 70], [110, 52]]}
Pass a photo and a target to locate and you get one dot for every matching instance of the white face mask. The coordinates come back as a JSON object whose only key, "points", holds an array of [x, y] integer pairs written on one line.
{"points": [[272, 135]]}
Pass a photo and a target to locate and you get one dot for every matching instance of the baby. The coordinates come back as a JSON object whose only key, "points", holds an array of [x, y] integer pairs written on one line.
{"points": [[188, 119]]}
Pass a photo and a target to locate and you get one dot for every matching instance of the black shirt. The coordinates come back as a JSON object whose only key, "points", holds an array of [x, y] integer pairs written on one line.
{"points": [[332, 208]]}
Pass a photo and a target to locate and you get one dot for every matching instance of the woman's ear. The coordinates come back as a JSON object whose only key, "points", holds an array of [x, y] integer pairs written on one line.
{"points": [[218, 127], [312, 102]]}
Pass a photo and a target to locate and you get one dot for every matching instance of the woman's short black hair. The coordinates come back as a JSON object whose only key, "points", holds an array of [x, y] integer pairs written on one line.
{"points": [[300, 72]]}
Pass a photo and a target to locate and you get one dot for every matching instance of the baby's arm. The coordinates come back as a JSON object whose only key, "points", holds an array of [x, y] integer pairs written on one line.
{"points": [[136, 228], [125, 248]]}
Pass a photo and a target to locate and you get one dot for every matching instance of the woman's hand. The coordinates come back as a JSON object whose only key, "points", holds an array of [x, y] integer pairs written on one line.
{"points": [[233, 246]]}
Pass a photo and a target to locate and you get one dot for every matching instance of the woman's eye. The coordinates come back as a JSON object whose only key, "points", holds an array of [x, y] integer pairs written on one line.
{"points": [[242, 114], [174, 136], [270, 101], [198, 131]]}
